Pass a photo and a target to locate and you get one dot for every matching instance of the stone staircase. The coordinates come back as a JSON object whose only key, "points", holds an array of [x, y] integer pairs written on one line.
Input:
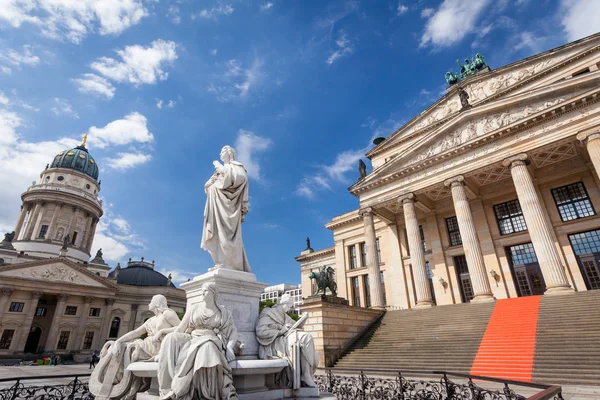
{"points": [[567, 341]]}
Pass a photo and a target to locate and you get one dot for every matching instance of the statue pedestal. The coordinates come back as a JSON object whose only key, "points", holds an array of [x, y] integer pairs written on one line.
{"points": [[240, 293]]}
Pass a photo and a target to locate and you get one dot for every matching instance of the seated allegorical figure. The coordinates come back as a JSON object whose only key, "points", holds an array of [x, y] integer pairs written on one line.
{"points": [[110, 379], [277, 334], [194, 359]]}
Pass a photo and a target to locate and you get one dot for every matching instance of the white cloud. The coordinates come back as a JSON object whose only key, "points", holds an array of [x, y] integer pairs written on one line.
{"points": [[26, 57], [214, 52], [215, 12], [174, 15], [138, 65], [236, 81], [344, 47], [247, 144], [126, 161], [133, 128], [178, 276], [62, 107], [3, 99], [115, 236], [451, 22], [401, 9], [159, 104], [74, 20], [267, 6], [96, 85], [579, 18], [528, 40], [6, 70], [171, 104], [427, 12]]}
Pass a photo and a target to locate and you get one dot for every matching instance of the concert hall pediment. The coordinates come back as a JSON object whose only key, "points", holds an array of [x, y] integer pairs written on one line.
{"points": [[60, 271]]}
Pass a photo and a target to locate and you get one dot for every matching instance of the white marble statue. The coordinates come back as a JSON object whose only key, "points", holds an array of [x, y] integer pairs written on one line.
{"points": [[110, 379], [279, 336], [194, 360], [226, 206]]}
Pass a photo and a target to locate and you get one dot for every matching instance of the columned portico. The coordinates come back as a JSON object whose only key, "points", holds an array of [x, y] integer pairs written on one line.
{"points": [[417, 256], [375, 291], [30, 314], [470, 241], [591, 140], [538, 226], [54, 328]]}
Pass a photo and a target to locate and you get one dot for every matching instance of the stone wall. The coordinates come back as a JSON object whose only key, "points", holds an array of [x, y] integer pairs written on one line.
{"points": [[334, 324]]}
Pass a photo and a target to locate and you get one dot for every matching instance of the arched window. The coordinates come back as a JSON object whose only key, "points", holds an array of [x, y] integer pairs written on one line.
{"points": [[114, 327]]}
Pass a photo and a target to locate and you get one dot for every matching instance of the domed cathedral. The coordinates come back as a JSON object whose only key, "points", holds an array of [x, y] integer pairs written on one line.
{"points": [[53, 298]]}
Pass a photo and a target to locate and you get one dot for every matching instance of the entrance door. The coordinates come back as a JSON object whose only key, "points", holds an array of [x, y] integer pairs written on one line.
{"points": [[33, 340], [526, 271], [591, 270], [586, 246], [464, 279]]}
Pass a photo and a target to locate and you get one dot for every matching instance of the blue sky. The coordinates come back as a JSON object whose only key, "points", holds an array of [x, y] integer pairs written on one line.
{"points": [[299, 88]]}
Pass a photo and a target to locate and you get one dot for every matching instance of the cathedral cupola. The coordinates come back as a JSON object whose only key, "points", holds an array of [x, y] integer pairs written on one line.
{"points": [[78, 159]]}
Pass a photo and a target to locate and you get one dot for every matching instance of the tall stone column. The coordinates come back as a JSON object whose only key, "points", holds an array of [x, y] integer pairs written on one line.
{"points": [[5, 294], [86, 233], [33, 216], [90, 239], [54, 328], [538, 226], [470, 241], [375, 292], [132, 317], [72, 223], [106, 321], [417, 256], [38, 222], [19, 225], [26, 327], [53, 222], [85, 311], [591, 140]]}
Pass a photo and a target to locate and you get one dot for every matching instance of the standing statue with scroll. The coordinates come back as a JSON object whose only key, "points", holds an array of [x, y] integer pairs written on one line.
{"points": [[226, 206]]}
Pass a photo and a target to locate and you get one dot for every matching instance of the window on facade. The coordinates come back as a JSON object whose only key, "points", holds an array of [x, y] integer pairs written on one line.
{"points": [[16, 307], [363, 254], [522, 254], [114, 327], [378, 250], [367, 291], [63, 340], [510, 217], [87, 340], [74, 238], [94, 312], [586, 242], [6, 339], [453, 232], [41, 311], [383, 287], [422, 237], [43, 231], [355, 292], [71, 310], [352, 254], [573, 202]]}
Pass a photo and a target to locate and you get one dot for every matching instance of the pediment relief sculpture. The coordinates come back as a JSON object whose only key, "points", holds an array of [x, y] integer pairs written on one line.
{"points": [[54, 273]]}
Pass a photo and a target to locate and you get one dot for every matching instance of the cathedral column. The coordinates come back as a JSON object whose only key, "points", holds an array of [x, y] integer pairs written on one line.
{"points": [[417, 256], [106, 321], [26, 327], [85, 311], [38, 222], [71, 228], [132, 317], [86, 233], [375, 292], [470, 241], [90, 239], [54, 328], [32, 221], [52, 228], [24, 208], [5, 294], [591, 140], [538, 226]]}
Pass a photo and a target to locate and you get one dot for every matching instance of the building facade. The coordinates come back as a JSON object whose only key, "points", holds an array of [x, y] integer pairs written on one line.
{"points": [[53, 298], [276, 291], [492, 192]]}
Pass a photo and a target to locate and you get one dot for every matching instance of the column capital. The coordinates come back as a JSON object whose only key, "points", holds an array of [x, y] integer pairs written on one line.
{"points": [[458, 180], [589, 135], [406, 198], [109, 302], [366, 212], [36, 295], [88, 299], [519, 159], [63, 297], [6, 291]]}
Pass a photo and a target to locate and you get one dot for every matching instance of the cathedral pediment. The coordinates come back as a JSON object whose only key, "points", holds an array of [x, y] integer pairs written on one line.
{"points": [[61, 271]]}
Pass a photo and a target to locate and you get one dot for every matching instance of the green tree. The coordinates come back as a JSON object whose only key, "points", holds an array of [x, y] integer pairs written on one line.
{"points": [[268, 303]]}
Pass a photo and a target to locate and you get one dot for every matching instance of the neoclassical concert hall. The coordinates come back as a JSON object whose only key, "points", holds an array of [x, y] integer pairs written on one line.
{"points": [[492, 192]]}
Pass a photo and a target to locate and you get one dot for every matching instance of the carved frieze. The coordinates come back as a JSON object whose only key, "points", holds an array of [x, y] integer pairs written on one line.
{"points": [[53, 273]]}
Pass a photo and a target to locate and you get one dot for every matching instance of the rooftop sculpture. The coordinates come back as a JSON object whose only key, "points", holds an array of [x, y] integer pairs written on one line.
{"points": [[467, 69]]}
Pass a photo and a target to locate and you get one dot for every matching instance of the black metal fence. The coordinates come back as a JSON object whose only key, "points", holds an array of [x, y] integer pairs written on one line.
{"points": [[75, 389], [382, 384]]}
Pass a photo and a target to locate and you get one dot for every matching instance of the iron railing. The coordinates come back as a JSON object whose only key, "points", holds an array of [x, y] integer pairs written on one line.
{"points": [[384, 384], [76, 389]]}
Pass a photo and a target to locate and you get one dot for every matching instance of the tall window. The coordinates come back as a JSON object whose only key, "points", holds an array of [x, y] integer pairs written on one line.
{"points": [[363, 254], [585, 242], [71, 310], [87, 340], [453, 232], [94, 312], [383, 287], [6, 339], [43, 231], [378, 250], [573, 202], [41, 311], [352, 254], [114, 327], [74, 238], [422, 237], [367, 291], [355, 291], [522, 254], [63, 340], [510, 217], [430, 277], [16, 307]]}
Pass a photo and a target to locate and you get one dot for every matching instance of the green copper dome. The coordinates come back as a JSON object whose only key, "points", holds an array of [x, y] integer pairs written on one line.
{"points": [[78, 159]]}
